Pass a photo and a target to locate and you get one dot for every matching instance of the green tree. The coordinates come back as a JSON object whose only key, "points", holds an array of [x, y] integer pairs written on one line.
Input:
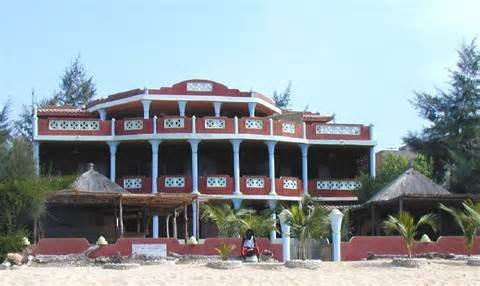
{"points": [[454, 117], [467, 221], [260, 223], [229, 221], [5, 122], [282, 99], [307, 220], [405, 225], [76, 88]]}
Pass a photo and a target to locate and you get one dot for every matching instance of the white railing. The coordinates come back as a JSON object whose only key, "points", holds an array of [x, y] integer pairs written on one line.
{"points": [[253, 123], [175, 182], [215, 123], [133, 183], [288, 127], [133, 124], [216, 182], [174, 123], [337, 129], [58, 124], [290, 184], [255, 183], [343, 185]]}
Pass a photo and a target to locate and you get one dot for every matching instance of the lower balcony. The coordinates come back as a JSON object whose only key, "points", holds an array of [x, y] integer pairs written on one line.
{"points": [[215, 185], [333, 187], [255, 185], [136, 184], [289, 186]]}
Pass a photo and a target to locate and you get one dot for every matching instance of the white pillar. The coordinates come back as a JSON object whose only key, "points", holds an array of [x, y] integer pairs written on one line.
{"points": [[103, 114], [271, 165], [336, 224], [251, 108], [304, 149], [272, 204], [36, 156], [182, 105], [237, 203], [35, 122], [194, 145], [236, 165], [217, 106], [155, 144], [155, 222], [285, 236], [146, 108], [194, 220], [372, 154], [113, 164]]}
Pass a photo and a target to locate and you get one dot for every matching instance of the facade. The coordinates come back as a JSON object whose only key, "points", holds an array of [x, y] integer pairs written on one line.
{"points": [[198, 136]]}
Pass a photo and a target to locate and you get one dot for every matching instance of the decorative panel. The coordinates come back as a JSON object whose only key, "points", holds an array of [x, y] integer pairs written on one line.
{"points": [[133, 124], [288, 127], [89, 125], [290, 184], [337, 129], [343, 185], [214, 123], [216, 182], [199, 86], [174, 123], [253, 124], [175, 182], [255, 183], [134, 183]]}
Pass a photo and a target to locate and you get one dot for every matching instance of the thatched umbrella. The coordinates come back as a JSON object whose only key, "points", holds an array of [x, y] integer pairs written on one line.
{"points": [[411, 184]]}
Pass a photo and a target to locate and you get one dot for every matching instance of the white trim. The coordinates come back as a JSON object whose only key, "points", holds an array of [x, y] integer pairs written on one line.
{"points": [[203, 197], [175, 97]]}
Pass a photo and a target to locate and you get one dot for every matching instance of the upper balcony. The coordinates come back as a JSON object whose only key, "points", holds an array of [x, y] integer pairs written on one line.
{"points": [[245, 127]]}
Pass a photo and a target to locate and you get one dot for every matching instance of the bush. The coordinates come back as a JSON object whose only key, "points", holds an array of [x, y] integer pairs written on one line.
{"points": [[11, 243]]}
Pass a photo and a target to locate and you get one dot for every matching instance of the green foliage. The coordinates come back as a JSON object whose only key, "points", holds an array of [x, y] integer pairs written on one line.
{"points": [[261, 224], [468, 221], [282, 99], [4, 122], [404, 224], [451, 140], [392, 167], [12, 242], [225, 250], [306, 220], [229, 221]]}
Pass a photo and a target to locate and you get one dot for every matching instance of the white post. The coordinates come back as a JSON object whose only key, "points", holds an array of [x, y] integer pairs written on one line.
{"points": [[285, 237], [236, 165], [271, 165], [237, 203], [372, 154], [251, 108], [155, 124], [155, 144], [182, 105], [235, 124], [194, 124], [194, 145], [304, 149], [336, 224], [271, 126], [194, 220], [36, 156], [217, 106], [35, 122], [304, 125], [112, 132], [272, 204], [146, 108], [113, 165], [103, 114]]}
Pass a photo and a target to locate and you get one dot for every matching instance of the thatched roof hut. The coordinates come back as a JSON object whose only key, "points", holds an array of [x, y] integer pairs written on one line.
{"points": [[93, 182]]}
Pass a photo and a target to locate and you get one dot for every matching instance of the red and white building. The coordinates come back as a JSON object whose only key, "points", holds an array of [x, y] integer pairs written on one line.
{"points": [[202, 137]]}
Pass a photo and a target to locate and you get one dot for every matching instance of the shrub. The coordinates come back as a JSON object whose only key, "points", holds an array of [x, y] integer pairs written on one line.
{"points": [[11, 243], [225, 250]]}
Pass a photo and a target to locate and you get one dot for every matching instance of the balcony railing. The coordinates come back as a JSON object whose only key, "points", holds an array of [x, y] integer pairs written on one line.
{"points": [[333, 187], [218, 125], [289, 186], [136, 184], [216, 185], [255, 185], [174, 184]]}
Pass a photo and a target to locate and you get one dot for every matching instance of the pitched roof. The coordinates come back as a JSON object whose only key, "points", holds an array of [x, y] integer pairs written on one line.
{"points": [[93, 182], [410, 183]]}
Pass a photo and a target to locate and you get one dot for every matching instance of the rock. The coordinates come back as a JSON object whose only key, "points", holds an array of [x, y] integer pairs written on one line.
{"points": [[121, 266], [5, 265], [266, 265], [266, 256], [306, 264], [69, 259], [14, 258], [409, 262], [251, 259], [473, 261], [224, 264]]}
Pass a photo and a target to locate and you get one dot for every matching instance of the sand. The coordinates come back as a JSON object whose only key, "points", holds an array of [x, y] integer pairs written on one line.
{"points": [[344, 273]]}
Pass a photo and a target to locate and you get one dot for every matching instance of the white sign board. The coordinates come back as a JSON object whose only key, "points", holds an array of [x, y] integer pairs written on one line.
{"points": [[149, 250]]}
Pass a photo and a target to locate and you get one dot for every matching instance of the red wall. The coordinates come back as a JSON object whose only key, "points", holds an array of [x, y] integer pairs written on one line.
{"points": [[359, 246], [123, 247]]}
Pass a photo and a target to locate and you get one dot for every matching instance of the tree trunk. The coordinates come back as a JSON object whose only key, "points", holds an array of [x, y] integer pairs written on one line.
{"points": [[175, 214], [167, 225], [185, 216]]}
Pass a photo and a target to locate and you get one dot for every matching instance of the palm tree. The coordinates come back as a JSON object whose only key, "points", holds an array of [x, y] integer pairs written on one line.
{"points": [[261, 224], [468, 220], [404, 224], [306, 220], [229, 221]]}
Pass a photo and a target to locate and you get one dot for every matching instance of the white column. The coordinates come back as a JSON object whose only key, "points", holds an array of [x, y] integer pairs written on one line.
{"points": [[236, 165], [285, 236], [372, 154], [194, 220], [237, 203], [36, 156], [182, 105], [103, 114], [304, 149], [336, 224], [217, 106], [35, 122], [271, 165], [146, 108], [251, 108], [194, 145], [272, 204], [113, 164], [155, 144]]}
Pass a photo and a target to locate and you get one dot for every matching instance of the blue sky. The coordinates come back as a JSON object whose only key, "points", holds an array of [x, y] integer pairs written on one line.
{"points": [[361, 60]]}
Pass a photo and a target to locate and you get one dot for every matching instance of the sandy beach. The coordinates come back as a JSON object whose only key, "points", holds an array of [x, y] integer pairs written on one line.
{"points": [[344, 273]]}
